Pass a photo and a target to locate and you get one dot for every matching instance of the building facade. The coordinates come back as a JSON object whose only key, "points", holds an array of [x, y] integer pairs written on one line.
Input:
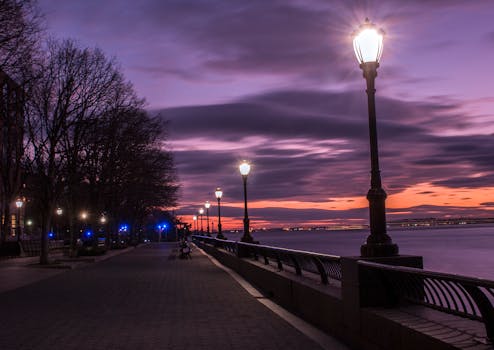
{"points": [[11, 152]]}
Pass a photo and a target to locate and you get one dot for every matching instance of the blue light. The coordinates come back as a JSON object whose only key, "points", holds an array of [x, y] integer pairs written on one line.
{"points": [[51, 235], [88, 233]]}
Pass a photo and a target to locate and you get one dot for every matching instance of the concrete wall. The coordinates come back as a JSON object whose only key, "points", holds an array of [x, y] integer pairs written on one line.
{"points": [[351, 311], [317, 304]]}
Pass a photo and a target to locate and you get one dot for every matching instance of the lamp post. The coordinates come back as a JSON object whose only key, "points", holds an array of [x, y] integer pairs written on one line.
{"points": [[207, 205], [195, 223], [201, 213], [368, 46], [84, 216], [218, 194], [244, 168], [59, 213], [18, 203]]}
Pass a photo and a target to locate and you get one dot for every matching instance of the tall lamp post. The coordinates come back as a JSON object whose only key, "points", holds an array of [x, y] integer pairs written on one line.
{"points": [[207, 205], [218, 194], [195, 223], [201, 213], [244, 168], [18, 203], [368, 46], [59, 213], [84, 216]]}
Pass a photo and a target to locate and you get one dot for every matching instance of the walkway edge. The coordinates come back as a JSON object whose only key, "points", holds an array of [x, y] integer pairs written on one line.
{"points": [[324, 340]]}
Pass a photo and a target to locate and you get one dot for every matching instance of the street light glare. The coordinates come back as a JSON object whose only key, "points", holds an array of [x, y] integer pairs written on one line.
{"points": [[244, 168], [201, 211], [368, 43], [207, 205], [218, 193]]}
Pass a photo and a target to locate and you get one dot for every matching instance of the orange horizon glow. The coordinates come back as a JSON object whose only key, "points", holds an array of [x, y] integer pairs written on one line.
{"points": [[417, 195]]}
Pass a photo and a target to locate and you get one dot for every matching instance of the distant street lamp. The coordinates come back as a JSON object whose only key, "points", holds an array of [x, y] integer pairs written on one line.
{"points": [[18, 203], [102, 219], [195, 223], [244, 168], [368, 46], [59, 212], [207, 205], [201, 213], [84, 216], [219, 193]]}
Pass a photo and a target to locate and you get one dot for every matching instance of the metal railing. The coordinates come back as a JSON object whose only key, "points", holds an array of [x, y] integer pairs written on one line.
{"points": [[326, 266], [463, 296], [32, 247]]}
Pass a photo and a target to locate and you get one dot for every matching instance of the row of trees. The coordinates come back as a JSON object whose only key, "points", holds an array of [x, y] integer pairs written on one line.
{"points": [[89, 143]]}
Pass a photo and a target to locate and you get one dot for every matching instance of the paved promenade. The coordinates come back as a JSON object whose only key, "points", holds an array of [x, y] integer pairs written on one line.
{"points": [[146, 298]]}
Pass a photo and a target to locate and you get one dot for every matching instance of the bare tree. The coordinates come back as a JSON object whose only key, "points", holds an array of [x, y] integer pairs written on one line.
{"points": [[71, 93], [131, 171], [19, 37], [20, 32]]}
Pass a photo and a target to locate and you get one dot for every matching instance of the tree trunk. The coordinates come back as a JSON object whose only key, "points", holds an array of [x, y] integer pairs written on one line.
{"points": [[45, 227]]}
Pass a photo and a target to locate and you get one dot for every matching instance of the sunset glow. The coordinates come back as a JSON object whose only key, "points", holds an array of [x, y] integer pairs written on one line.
{"points": [[277, 83]]}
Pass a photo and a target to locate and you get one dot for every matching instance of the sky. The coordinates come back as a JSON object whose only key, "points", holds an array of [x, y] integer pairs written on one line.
{"points": [[277, 83]]}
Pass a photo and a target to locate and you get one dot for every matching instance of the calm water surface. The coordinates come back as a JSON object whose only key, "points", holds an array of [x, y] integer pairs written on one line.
{"points": [[461, 250]]}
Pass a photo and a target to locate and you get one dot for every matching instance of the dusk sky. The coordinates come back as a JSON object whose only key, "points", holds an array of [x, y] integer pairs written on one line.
{"points": [[277, 83]]}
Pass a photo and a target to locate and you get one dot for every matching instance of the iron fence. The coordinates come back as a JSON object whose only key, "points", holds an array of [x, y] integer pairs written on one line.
{"points": [[326, 266], [463, 296]]}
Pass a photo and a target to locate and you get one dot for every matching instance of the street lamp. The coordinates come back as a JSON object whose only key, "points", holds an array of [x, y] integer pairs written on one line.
{"points": [[59, 212], [18, 203], [84, 216], [244, 168], [218, 194], [195, 223], [368, 46], [201, 213], [207, 205]]}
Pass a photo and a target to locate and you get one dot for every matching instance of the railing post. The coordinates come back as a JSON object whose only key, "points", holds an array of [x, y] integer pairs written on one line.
{"points": [[362, 287], [485, 308], [298, 269], [322, 271]]}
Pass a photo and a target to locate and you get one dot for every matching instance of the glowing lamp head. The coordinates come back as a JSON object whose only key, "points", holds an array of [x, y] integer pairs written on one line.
{"points": [[102, 219], [19, 202], [201, 211], [218, 193], [244, 168], [194, 218], [59, 211], [207, 205], [83, 215], [368, 43]]}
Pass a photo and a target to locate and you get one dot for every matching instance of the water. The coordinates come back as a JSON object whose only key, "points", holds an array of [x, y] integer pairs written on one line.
{"points": [[461, 250]]}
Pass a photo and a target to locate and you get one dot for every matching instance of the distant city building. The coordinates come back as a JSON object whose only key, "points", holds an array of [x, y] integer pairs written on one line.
{"points": [[11, 151]]}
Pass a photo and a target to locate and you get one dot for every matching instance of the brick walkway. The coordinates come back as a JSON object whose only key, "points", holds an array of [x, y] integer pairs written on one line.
{"points": [[144, 299]]}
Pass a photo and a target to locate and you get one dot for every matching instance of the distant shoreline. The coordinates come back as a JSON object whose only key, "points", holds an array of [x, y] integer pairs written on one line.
{"points": [[391, 227]]}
